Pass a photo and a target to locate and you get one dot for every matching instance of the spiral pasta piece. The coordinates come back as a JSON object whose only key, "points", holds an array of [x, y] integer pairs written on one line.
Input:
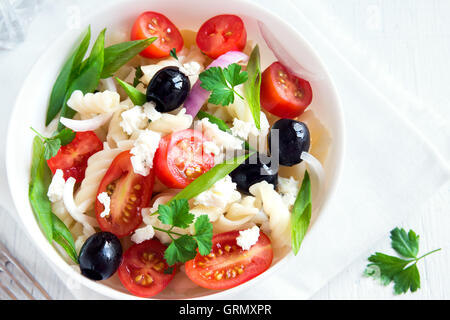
{"points": [[279, 215]]}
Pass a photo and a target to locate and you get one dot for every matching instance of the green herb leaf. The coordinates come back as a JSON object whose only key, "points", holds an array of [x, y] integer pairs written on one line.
{"points": [[39, 181], [173, 53], [137, 97], [176, 214], [88, 78], [209, 178], [252, 86], [220, 123], [181, 250], [221, 83], [408, 279], [119, 54], [406, 244], [65, 77], [203, 234], [65, 136], [301, 214], [53, 144], [51, 148], [169, 270], [64, 238], [137, 76], [402, 271]]}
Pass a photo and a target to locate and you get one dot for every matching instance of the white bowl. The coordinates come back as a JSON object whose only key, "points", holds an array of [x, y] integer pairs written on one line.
{"points": [[31, 105]]}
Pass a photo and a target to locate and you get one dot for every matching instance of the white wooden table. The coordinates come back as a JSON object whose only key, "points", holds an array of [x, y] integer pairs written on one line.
{"points": [[401, 46]]}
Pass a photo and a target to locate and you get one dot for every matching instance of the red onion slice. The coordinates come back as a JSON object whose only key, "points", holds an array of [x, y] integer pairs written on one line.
{"points": [[198, 95], [88, 124], [283, 56]]}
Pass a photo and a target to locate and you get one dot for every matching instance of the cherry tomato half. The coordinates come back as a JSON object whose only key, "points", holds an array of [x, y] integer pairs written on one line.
{"points": [[221, 34], [142, 269], [228, 265], [72, 158], [152, 24], [180, 158], [284, 94], [129, 193]]}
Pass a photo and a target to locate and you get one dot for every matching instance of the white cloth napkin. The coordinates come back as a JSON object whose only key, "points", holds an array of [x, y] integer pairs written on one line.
{"points": [[390, 172]]}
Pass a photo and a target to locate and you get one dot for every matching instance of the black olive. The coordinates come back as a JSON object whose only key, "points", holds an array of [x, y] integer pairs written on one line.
{"points": [[100, 256], [252, 171], [168, 89], [294, 138]]}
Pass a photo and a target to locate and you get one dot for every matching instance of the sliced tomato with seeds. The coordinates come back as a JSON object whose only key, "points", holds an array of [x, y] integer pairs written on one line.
{"points": [[129, 193], [282, 93], [227, 265], [143, 271], [180, 158], [221, 34], [153, 24], [72, 158]]}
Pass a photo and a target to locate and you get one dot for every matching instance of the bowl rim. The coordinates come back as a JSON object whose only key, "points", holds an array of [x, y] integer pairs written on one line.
{"points": [[55, 260]]}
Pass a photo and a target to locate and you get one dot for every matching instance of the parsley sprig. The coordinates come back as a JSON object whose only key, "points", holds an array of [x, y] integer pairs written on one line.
{"points": [[222, 82], [402, 270], [184, 247], [53, 144]]}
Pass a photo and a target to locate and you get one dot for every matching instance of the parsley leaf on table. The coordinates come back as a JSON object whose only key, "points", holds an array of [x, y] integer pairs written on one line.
{"points": [[222, 82], [402, 270], [184, 248], [53, 144]]}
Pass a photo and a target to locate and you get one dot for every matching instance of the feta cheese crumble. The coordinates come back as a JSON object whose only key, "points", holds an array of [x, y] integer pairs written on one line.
{"points": [[143, 234], [56, 188], [219, 195], [150, 111], [133, 119], [247, 238], [288, 188], [143, 151], [223, 139], [105, 200], [242, 129]]}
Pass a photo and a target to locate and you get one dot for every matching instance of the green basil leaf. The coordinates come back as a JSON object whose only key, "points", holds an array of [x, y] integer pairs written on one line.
{"points": [[89, 76], [252, 86], [64, 238], [209, 178], [40, 179], [301, 214], [137, 97], [65, 77], [119, 54]]}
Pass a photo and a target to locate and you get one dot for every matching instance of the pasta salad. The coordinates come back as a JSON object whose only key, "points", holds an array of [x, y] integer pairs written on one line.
{"points": [[171, 161]]}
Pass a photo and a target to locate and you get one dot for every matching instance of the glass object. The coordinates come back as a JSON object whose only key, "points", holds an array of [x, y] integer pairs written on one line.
{"points": [[15, 16]]}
